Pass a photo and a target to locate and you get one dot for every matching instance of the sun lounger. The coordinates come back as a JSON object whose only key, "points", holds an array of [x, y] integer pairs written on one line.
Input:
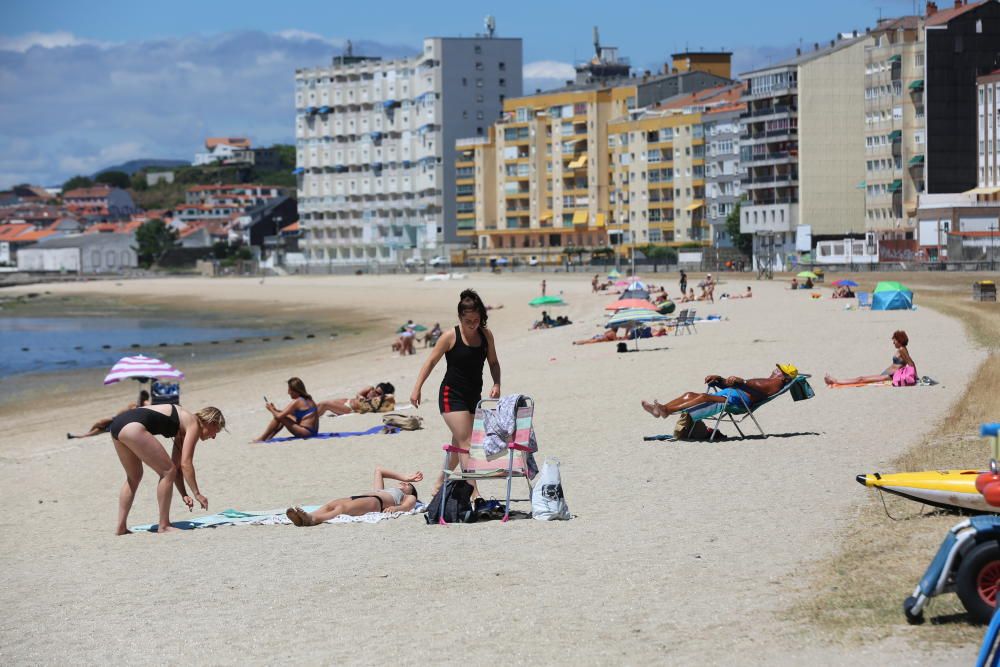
{"points": [[513, 462], [738, 413]]}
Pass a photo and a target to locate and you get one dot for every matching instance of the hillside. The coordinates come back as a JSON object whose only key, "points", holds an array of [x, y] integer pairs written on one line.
{"points": [[133, 166]]}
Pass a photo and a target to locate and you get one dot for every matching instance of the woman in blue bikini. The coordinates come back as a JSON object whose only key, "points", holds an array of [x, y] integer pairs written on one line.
{"points": [[732, 390], [299, 417]]}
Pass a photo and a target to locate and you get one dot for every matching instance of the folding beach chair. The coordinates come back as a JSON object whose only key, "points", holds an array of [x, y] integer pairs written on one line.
{"points": [[164, 392], [738, 413], [864, 299], [474, 463], [685, 320]]}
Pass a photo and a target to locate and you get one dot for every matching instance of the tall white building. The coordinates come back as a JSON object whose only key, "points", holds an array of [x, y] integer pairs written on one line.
{"points": [[375, 140]]}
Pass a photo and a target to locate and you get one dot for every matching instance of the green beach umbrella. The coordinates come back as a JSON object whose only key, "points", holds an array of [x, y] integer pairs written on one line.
{"points": [[613, 273], [415, 327], [806, 274], [891, 286], [547, 301]]}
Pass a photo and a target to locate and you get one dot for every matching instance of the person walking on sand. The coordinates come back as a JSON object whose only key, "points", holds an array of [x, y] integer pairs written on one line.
{"points": [[133, 433], [543, 287], [684, 282], [403, 498], [466, 348], [101, 425]]}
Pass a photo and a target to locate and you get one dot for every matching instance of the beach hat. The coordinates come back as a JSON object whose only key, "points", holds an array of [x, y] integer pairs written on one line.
{"points": [[788, 369]]}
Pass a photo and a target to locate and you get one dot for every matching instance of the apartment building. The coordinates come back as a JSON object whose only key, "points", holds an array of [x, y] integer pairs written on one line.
{"points": [[961, 43], [895, 137], [988, 133], [375, 140], [803, 150], [550, 162]]}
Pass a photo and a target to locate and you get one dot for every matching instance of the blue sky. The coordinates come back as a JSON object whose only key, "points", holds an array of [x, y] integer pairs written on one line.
{"points": [[89, 84]]}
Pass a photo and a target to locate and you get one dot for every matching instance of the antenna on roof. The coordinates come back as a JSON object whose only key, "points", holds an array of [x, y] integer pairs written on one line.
{"points": [[491, 25], [597, 43], [349, 49]]}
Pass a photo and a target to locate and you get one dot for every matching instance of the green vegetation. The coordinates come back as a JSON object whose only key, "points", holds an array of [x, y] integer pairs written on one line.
{"points": [[116, 179], [659, 254], [153, 239], [77, 182], [742, 242], [169, 195]]}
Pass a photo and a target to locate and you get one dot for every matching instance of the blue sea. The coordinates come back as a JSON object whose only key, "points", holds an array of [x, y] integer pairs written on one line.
{"points": [[46, 344]]}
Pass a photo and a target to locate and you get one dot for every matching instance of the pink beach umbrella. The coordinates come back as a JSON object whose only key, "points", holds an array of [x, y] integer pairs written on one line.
{"points": [[141, 367], [622, 304]]}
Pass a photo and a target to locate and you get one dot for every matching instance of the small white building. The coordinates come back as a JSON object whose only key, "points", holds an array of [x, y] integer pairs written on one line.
{"points": [[80, 253]]}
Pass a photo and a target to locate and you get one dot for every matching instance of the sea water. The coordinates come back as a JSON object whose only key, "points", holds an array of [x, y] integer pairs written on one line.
{"points": [[45, 344]]}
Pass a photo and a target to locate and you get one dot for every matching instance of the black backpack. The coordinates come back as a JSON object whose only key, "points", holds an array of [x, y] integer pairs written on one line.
{"points": [[457, 499]]}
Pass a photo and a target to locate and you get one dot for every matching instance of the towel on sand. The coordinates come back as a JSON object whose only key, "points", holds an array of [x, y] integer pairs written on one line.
{"points": [[341, 434], [272, 518]]}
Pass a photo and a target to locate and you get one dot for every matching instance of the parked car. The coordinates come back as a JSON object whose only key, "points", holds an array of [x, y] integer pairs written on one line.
{"points": [[414, 261], [439, 261]]}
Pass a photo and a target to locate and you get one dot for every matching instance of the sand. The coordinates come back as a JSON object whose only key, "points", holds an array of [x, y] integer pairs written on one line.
{"points": [[688, 553]]}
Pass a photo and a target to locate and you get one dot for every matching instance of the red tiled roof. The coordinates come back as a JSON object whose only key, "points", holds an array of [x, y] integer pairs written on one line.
{"points": [[236, 142], [10, 231], [294, 227], [34, 236], [81, 193], [942, 16]]}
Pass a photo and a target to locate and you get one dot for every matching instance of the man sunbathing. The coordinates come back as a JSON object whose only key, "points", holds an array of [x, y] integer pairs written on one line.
{"points": [[400, 499], [734, 391]]}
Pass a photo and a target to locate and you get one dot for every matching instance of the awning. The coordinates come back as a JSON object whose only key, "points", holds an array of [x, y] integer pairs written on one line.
{"points": [[310, 110], [861, 185], [577, 163], [982, 191], [324, 110], [916, 85], [375, 135], [546, 216], [388, 104], [580, 218], [695, 206], [895, 59], [916, 159], [895, 135], [896, 185], [600, 220], [298, 170]]}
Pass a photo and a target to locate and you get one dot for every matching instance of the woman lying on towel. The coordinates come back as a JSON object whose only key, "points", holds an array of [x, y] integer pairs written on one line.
{"points": [[733, 390], [379, 398], [402, 498], [299, 417], [102, 425], [897, 370]]}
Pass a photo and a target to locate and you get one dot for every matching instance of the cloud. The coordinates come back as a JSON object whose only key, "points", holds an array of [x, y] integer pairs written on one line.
{"points": [[549, 69], [75, 106]]}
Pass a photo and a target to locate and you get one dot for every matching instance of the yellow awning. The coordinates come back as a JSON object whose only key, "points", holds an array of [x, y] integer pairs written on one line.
{"points": [[580, 218], [546, 216], [982, 191], [695, 206], [574, 164], [600, 220]]}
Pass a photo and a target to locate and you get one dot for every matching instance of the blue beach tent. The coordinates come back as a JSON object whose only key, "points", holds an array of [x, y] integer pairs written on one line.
{"points": [[892, 295]]}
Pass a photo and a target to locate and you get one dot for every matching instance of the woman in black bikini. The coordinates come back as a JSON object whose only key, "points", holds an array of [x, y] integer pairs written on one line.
{"points": [[300, 416], [902, 358], [466, 348], [400, 499], [133, 433]]}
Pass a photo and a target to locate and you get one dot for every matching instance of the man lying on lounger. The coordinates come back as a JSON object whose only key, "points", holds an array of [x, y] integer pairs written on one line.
{"points": [[733, 390], [403, 498]]}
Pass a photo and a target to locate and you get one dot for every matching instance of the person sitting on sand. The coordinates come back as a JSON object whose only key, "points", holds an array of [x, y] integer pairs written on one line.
{"points": [[734, 391], [101, 425], [688, 297], [544, 323], [300, 416], [400, 499], [404, 345], [795, 284], [843, 292], [808, 284], [608, 336], [431, 337], [902, 358], [133, 433], [380, 398]]}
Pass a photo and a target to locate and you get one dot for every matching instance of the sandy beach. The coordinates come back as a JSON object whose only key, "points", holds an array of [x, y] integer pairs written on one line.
{"points": [[686, 553]]}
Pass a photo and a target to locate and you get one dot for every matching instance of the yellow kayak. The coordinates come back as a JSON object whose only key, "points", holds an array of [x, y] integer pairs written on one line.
{"points": [[948, 489]]}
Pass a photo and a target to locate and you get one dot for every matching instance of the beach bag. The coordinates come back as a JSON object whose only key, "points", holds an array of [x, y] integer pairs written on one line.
{"points": [[457, 499], [689, 429], [404, 422], [801, 391], [904, 377], [547, 500]]}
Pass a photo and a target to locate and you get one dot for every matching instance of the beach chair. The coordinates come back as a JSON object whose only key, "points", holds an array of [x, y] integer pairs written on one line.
{"points": [[508, 464], [685, 320], [864, 299], [161, 393], [737, 414]]}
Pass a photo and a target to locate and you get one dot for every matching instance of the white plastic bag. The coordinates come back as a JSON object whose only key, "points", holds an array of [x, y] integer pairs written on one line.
{"points": [[547, 500]]}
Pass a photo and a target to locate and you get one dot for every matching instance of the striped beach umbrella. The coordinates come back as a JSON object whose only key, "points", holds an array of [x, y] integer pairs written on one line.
{"points": [[141, 366], [630, 304], [634, 317]]}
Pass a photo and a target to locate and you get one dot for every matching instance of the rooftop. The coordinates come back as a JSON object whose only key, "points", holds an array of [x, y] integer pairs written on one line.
{"points": [[817, 52], [936, 17]]}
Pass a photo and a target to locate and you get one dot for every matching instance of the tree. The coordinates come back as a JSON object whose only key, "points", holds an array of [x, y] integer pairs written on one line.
{"points": [[116, 179], [77, 182], [659, 254], [742, 242], [154, 239], [138, 181]]}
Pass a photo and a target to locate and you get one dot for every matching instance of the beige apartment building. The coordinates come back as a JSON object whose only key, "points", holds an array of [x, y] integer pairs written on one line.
{"points": [[658, 179], [894, 127]]}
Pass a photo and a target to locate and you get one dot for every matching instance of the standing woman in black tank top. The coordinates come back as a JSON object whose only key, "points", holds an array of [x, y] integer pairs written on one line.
{"points": [[466, 348], [133, 433]]}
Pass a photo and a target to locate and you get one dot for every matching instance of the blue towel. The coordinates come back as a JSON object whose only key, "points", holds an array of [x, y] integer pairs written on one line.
{"points": [[343, 434]]}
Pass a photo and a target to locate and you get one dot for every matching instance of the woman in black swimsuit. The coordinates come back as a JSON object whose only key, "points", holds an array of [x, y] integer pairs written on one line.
{"points": [[133, 433], [466, 348], [403, 498]]}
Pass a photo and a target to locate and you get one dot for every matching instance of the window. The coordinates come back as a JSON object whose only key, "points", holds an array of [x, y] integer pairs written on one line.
{"points": [[479, 100], [479, 83], [502, 66], [465, 82], [479, 115], [503, 83], [479, 67], [478, 49]]}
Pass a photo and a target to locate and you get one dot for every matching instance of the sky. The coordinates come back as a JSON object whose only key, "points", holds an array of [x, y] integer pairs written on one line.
{"points": [[87, 85]]}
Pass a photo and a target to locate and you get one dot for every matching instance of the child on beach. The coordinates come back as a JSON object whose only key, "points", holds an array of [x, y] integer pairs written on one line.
{"points": [[466, 349], [300, 416], [101, 425], [379, 499], [133, 433]]}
